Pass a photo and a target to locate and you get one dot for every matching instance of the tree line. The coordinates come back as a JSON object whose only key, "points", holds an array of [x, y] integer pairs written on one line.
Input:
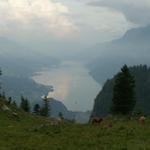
{"points": [[124, 99], [130, 86], [43, 110]]}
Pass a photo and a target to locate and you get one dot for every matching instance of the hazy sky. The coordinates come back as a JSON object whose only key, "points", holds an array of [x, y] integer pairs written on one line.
{"points": [[68, 19], [70, 22]]}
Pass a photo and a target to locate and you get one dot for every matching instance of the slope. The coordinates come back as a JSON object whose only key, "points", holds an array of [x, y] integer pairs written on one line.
{"points": [[103, 100], [131, 49]]}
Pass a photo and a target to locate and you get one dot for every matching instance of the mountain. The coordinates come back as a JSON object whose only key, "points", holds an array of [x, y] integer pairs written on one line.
{"points": [[56, 107], [103, 101], [17, 86], [18, 64], [17, 60], [133, 48]]}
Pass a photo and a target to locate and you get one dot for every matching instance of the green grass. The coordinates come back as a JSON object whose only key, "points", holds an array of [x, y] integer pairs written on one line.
{"points": [[35, 133], [31, 132]]}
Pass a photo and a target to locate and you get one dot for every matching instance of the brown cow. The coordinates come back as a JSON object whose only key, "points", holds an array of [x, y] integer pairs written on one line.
{"points": [[142, 120], [96, 120], [56, 121]]}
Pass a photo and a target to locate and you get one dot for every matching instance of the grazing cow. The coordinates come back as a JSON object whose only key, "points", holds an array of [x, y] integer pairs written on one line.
{"points": [[56, 121], [15, 116], [142, 120], [96, 120], [110, 125]]}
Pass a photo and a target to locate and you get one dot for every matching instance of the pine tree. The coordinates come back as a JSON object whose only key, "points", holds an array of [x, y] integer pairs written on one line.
{"points": [[9, 100], [3, 95], [14, 104], [22, 102], [36, 109], [123, 92], [25, 104], [0, 82], [60, 114], [0, 72], [45, 111]]}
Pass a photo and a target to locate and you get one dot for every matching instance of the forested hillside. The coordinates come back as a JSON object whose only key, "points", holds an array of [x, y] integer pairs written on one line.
{"points": [[103, 101]]}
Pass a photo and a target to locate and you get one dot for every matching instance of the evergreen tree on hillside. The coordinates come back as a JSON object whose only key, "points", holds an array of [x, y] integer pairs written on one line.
{"points": [[0, 72], [3, 95], [123, 92], [60, 114], [14, 104], [45, 111], [36, 109], [25, 104], [0, 83]]}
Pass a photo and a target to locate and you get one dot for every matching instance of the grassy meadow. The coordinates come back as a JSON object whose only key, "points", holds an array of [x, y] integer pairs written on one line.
{"points": [[31, 132]]}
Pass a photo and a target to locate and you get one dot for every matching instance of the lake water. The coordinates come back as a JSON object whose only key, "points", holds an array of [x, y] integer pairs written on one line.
{"points": [[72, 84]]}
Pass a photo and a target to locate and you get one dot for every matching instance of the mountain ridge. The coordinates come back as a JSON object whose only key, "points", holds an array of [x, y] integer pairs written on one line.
{"points": [[103, 101], [131, 49]]}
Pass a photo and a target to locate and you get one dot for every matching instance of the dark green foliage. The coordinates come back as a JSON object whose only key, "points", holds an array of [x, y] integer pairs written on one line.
{"points": [[61, 115], [3, 95], [14, 104], [103, 101], [9, 100], [142, 77], [25, 104], [45, 110], [0, 82], [123, 92], [0, 72], [36, 109]]}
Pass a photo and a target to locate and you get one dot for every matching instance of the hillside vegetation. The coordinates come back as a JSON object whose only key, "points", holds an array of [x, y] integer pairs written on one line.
{"points": [[103, 101], [31, 132]]}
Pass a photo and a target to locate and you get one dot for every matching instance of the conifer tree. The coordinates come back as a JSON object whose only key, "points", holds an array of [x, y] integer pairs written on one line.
{"points": [[0, 72], [22, 102], [45, 111], [36, 109], [3, 95], [60, 114], [123, 92], [0, 83], [9, 100], [25, 104], [14, 104]]}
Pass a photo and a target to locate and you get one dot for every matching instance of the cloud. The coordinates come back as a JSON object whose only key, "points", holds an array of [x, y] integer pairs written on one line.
{"points": [[39, 15], [52, 23], [136, 11], [101, 24]]}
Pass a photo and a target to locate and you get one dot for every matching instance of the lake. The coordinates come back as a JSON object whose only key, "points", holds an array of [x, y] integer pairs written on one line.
{"points": [[72, 84]]}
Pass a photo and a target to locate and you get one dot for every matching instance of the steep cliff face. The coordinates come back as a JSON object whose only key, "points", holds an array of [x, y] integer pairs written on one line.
{"points": [[103, 100]]}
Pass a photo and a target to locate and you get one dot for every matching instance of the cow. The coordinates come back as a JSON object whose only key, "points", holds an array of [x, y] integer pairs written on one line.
{"points": [[142, 120], [96, 120], [56, 121]]}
